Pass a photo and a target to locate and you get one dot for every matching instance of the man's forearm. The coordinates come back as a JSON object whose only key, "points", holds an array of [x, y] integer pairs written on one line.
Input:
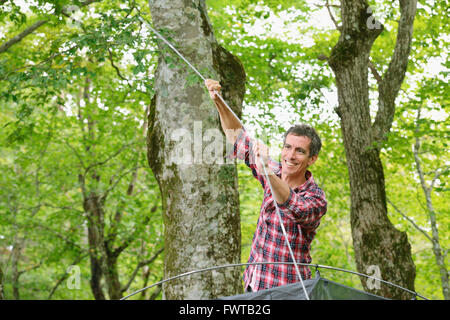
{"points": [[231, 126], [281, 190]]}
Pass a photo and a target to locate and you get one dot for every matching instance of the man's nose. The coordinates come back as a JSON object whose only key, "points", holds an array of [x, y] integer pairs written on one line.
{"points": [[291, 154]]}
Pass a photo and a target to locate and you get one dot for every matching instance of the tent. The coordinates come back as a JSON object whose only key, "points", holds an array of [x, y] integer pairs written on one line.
{"points": [[318, 288]]}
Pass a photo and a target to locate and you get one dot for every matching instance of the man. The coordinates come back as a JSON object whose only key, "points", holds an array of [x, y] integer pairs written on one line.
{"points": [[301, 202]]}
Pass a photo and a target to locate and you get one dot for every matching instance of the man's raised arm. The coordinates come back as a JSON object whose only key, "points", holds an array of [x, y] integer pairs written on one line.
{"points": [[231, 126]]}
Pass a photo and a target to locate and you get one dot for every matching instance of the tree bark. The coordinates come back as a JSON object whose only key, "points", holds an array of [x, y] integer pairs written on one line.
{"points": [[15, 259], [2, 296], [95, 241], [200, 198], [376, 241]]}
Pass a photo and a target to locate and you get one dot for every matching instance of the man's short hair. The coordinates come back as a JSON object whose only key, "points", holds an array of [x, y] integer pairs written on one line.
{"points": [[305, 130]]}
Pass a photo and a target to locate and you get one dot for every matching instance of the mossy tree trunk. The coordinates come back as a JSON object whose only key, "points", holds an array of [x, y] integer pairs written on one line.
{"points": [[376, 242], [199, 191]]}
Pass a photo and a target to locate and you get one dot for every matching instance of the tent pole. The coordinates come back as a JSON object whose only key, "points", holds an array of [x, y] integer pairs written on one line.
{"points": [[274, 263]]}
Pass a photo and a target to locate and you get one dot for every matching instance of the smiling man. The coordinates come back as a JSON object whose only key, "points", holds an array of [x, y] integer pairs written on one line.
{"points": [[301, 202]]}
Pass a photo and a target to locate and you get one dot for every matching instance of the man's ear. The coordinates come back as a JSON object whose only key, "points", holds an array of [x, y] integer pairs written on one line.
{"points": [[312, 159]]}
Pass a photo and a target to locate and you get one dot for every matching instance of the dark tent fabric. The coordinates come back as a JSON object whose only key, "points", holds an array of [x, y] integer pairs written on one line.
{"points": [[318, 289]]}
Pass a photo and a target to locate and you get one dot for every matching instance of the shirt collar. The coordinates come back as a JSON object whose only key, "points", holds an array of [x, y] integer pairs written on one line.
{"points": [[309, 181]]}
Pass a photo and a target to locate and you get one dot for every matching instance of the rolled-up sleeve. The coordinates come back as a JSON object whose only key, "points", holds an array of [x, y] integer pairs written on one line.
{"points": [[241, 146], [242, 150], [306, 209]]}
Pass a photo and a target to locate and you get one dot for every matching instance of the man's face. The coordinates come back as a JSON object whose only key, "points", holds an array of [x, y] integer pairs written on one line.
{"points": [[295, 156]]}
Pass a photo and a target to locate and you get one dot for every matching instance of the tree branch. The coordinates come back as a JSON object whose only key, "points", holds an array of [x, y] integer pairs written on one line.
{"points": [[139, 266], [402, 48], [76, 154], [437, 173], [393, 77], [328, 6], [410, 220], [5, 46], [331, 15], [375, 73], [64, 276], [59, 235], [118, 215], [6, 75], [416, 149], [117, 251], [155, 293], [115, 154], [46, 204], [29, 268], [119, 74]]}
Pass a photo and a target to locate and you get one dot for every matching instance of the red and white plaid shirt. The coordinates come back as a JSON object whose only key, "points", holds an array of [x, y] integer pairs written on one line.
{"points": [[301, 215]]}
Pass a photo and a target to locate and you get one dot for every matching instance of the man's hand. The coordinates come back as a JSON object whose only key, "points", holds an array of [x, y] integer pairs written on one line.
{"points": [[261, 152], [213, 86]]}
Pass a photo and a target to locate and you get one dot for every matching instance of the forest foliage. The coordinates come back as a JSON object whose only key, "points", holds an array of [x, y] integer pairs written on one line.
{"points": [[74, 101]]}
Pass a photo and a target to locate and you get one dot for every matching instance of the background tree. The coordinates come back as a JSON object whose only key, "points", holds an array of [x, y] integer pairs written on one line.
{"points": [[376, 241], [421, 142]]}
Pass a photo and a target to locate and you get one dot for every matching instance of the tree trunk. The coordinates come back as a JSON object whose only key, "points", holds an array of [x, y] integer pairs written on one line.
{"points": [[112, 277], [199, 193], [2, 296], [15, 260], [103, 256], [103, 259], [95, 241], [376, 242]]}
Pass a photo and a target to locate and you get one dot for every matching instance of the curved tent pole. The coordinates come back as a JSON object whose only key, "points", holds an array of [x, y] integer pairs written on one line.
{"points": [[415, 294]]}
